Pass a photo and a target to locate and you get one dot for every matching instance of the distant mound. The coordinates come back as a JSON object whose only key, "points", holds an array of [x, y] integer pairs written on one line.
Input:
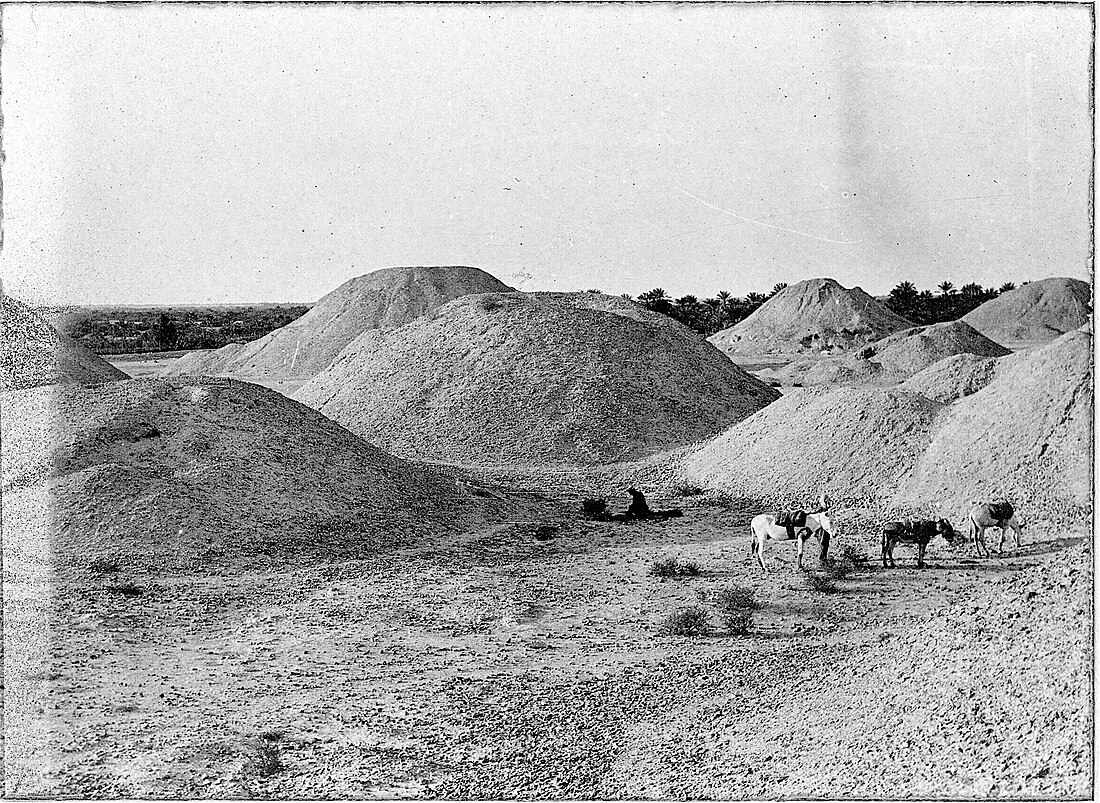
{"points": [[382, 299], [33, 353], [856, 443], [894, 358], [200, 474], [1026, 436], [953, 378], [1037, 312], [816, 315], [551, 378]]}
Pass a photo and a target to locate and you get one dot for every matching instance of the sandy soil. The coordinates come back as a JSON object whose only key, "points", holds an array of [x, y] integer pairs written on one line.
{"points": [[489, 665]]}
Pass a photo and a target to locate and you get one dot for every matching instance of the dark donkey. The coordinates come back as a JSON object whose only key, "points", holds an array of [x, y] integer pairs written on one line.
{"points": [[912, 532]]}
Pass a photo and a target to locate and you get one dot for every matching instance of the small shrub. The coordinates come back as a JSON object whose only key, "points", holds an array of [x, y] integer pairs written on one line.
{"points": [[671, 567], [103, 566], [268, 760], [693, 621], [594, 507], [820, 583], [857, 557], [838, 568], [735, 605], [689, 490]]}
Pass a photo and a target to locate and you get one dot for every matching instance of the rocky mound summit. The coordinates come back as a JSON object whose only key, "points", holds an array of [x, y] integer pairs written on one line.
{"points": [[855, 443], [1026, 436], [383, 299], [816, 315], [547, 378], [197, 475], [33, 353], [1036, 312]]}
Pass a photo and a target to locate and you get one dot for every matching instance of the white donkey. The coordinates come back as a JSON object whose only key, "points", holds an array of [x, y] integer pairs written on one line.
{"points": [[986, 515], [764, 528]]}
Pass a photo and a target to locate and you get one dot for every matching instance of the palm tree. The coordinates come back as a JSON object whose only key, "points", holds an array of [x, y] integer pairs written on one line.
{"points": [[946, 288], [1006, 287], [971, 290], [904, 294], [778, 287]]}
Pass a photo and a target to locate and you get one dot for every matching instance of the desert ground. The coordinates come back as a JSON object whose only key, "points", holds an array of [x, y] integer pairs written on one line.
{"points": [[212, 590]]}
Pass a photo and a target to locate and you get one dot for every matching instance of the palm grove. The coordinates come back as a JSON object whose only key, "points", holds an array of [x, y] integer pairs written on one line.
{"points": [[711, 315]]}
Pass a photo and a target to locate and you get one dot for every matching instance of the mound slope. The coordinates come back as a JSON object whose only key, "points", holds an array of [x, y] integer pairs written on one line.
{"points": [[383, 299], [855, 443], [33, 352], [1027, 436], [199, 473], [549, 378], [815, 315], [953, 378], [1038, 311]]}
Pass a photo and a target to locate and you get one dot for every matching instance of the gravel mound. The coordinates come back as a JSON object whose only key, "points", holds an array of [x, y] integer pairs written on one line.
{"points": [[857, 444], [953, 378], [893, 359], [33, 353], [547, 378], [905, 353], [1039, 311], [383, 299], [1026, 436], [193, 474], [816, 315]]}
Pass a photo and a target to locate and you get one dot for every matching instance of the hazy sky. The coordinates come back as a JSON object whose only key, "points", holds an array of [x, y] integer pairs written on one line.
{"points": [[174, 154]]}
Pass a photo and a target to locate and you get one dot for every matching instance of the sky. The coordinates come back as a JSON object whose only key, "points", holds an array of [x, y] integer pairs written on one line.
{"points": [[174, 154]]}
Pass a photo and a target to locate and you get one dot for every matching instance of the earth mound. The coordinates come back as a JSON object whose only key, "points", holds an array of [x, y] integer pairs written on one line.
{"points": [[894, 358], [1026, 436], [200, 473], [383, 299], [1036, 312], [34, 353], [856, 444], [953, 378], [816, 315], [547, 378]]}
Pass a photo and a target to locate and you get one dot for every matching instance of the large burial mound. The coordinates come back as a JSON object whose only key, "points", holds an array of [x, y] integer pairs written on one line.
{"points": [[1036, 312], [857, 444], [549, 378], [385, 298], [894, 358], [815, 315], [1026, 436], [199, 474], [33, 353]]}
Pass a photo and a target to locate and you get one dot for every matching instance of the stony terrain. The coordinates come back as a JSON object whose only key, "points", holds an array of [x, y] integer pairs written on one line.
{"points": [[1034, 313], [382, 299], [34, 353], [812, 316], [538, 378]]}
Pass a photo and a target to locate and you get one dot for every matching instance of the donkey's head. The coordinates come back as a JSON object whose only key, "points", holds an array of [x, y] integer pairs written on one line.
{"points": [[944, 528]]}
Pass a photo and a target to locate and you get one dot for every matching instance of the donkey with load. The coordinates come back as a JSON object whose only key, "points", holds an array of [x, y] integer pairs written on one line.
{"points": [[912, 532]]}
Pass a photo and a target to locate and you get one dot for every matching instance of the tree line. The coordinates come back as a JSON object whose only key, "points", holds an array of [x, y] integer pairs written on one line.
{"points": [[710, 315]]}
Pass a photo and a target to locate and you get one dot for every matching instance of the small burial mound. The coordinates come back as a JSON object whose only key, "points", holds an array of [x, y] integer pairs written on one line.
{"points": [[813, 316], [33, 352], [200, 474], [953, 378], [857, 444], [895, 358], [1026, 436], [383, 299], [1037, 312], [546, 378]]}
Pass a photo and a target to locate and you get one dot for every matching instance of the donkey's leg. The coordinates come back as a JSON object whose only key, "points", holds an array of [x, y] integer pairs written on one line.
{"points": [[801, 546], [885, 552], [1001, 540], [824, 544], [760, 552], [920, 554]]}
